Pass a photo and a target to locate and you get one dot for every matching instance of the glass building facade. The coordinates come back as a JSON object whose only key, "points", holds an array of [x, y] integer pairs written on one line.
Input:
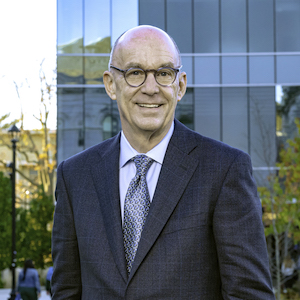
{"points": [[240, 57]]}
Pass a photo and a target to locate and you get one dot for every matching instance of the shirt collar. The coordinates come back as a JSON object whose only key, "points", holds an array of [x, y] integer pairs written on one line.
{"points": [[157, 153]]}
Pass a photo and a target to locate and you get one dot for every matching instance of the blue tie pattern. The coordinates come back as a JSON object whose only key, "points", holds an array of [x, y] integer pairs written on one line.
{"points": [[136, 208]]}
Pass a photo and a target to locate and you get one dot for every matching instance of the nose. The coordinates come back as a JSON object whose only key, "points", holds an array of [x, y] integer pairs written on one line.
{"points": [[150, 86]]}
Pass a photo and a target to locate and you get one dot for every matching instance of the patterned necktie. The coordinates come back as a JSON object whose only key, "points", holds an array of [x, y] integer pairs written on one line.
{"points": [[136, 208]]}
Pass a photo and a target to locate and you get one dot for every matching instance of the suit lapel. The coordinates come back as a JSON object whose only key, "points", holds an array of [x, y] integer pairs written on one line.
{"points": [[105, 173], [177, 169]]}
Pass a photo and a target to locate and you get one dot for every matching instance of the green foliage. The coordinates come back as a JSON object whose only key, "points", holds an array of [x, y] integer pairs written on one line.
{"points": [[34, 230], [5, 222], [5, 126], [290, 95], [281, 202], [290, 295], [281, 199]]}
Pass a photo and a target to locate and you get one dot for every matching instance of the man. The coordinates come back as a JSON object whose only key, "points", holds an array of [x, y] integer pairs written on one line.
{"points": [[201, 238]]}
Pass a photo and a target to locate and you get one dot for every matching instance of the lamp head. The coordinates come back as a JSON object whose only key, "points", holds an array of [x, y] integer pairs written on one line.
{"points": [[15, 132]]}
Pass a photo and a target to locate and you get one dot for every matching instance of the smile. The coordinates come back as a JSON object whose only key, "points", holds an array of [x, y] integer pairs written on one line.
{"points": [[149, 105]]}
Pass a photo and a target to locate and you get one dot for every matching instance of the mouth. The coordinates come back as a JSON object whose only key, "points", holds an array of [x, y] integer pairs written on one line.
{"points": [[149, 105]]}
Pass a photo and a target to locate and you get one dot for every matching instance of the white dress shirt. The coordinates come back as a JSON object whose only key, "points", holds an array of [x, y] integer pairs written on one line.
{"points": [[128, 169]]}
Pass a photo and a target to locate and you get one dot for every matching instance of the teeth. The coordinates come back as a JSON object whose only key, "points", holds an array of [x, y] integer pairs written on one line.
{"points": [[149, 105]]}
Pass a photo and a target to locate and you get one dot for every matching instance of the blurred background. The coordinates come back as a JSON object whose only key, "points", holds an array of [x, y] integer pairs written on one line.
{"points": [[242, 59]]}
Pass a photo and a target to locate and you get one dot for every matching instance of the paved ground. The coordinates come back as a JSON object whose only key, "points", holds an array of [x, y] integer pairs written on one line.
{"points": [[5, 295]]}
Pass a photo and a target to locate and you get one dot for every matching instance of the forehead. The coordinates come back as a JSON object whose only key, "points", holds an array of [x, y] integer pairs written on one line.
{"points": [[146, 48]]}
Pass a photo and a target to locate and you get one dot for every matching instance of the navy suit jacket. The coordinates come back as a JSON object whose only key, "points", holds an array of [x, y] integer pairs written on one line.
{"points": [[203, 237]]}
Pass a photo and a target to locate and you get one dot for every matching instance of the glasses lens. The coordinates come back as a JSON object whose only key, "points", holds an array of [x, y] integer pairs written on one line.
{"points": [[135, 77], [165, 76]]}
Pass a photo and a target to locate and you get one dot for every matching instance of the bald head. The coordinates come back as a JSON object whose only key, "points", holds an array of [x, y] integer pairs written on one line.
{"points": [[142, 34]]}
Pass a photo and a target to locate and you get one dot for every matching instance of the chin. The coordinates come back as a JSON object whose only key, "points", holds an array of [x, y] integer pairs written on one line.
{"points": [[153, 125], [150, 126]]}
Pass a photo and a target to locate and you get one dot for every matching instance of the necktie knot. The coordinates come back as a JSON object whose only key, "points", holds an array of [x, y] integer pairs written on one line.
{"points": [[142, 163]]}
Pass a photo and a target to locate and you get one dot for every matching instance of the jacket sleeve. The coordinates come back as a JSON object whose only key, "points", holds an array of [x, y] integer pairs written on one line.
{"points": [[66, 278], [239, 235]]}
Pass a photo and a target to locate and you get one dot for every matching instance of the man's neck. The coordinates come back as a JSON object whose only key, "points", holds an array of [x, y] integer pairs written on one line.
{"points": [[143, 142]]}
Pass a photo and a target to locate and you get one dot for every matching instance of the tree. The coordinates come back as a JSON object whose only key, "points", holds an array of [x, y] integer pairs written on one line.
{"points": [[34, 219], [41, 157], [281, 202], [291, 94], [34, 230], [5, 222]]}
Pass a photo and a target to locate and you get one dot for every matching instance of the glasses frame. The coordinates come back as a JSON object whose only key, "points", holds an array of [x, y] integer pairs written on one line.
{"points": [[176, 70]]}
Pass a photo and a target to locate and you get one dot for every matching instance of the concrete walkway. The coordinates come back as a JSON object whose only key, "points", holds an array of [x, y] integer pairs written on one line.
{"points": [[5, 295]]}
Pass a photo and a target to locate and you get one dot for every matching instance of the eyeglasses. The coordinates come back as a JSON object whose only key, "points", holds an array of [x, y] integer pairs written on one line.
{"points": [[135, 77]]}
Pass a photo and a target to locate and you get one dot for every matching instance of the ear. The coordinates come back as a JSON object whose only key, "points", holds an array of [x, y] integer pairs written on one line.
{"points": [[110, 85], [182, 86]]}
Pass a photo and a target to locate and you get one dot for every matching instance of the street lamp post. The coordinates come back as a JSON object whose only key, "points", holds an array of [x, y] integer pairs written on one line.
{"points": [[14, 131]]}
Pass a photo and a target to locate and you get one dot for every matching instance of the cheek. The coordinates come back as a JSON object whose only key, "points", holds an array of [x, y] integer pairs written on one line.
{"points": [[122, 106], [174, 93], [125, 106], [174, 98]]}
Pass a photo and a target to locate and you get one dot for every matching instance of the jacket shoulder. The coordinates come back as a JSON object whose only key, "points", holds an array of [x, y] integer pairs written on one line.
{"points": [[92, 153], [194, 141]]}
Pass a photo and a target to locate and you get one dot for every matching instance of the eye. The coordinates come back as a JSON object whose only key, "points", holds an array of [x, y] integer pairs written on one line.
{"points": [[135, 72], [165, 73]]}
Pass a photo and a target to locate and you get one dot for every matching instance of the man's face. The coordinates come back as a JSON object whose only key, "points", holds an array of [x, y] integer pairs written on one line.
{"points": [[150, 107]]}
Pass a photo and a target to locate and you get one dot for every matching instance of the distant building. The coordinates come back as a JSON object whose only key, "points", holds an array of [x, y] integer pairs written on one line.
{"points": [[237, 55]]}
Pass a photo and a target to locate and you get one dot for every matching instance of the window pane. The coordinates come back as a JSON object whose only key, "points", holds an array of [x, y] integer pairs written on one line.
{"points": [[187, 66], [261, 26], [94, 69], [288, 69], [69, 24], [235, 117], [97, 26], [289, 110], [75, 46], [261, 69], [100, 112], [152, 13], [207, 112], [287, 25], [234, 69], [70, 130], [206, 26], [262, 126], [181, 34], [233, 16], [185, 109], [69, 69], [124, 16], [207, 70]]}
